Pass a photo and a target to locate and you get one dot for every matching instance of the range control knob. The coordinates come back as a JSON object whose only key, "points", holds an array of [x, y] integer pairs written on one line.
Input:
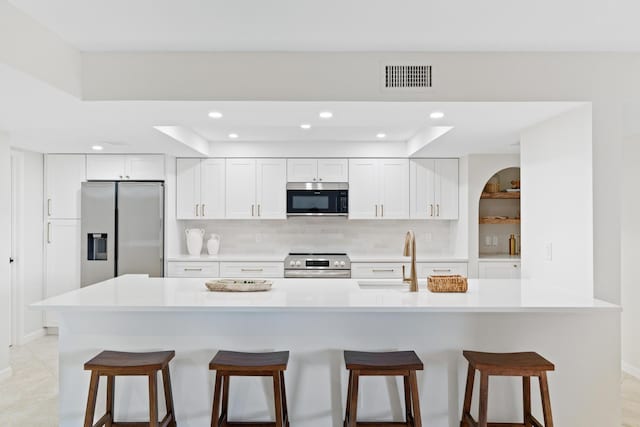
{"points": [[336, 263], [298, 263], [292, 263], [342, 264]]}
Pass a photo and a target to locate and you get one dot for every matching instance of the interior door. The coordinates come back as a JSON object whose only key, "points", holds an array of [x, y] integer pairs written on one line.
{"points": [[271, 188], [394, 188], [363, 189], [140, 228], [241, 189], [188, 188], [446, 188], [212, 188]]}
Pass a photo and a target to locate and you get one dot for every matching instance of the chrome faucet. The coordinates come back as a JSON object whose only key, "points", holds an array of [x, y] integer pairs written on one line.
{"points": [[410, 250]]}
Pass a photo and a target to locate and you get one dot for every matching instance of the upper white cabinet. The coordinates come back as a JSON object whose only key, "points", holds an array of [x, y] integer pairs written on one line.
{"points": [[200, 188], [111, 167], [378, 188], [64, 175], [434, 188], [256, 188], [317, 170]]}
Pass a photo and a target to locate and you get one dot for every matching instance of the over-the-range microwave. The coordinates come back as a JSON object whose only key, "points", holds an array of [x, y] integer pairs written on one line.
{"points": [[317, 199]]}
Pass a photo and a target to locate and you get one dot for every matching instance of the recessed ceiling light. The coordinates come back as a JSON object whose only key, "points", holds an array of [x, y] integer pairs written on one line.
{"points": [[215, 115], [233, 135], [305, 126], [97, 147], [326, 115], [437, 115], [381, 135]]}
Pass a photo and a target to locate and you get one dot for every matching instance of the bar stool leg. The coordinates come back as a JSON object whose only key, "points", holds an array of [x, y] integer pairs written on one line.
{"points": [[417, 417], [168, 395], [215, 412], [526, 400], [226, 379], [484, 399], [91, 400], [284, 399], [277, 397], [153, 400], [347, 410], [408, 417], [468, 395], [111, 380], [353, 399], [546, 401]]}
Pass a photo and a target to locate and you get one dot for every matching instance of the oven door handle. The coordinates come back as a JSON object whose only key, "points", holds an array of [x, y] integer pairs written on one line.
{"points": [[318, 273]]}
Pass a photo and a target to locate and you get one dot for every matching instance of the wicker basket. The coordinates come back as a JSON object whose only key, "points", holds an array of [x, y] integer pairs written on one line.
{"points": [[455, 283], [231, 285]]}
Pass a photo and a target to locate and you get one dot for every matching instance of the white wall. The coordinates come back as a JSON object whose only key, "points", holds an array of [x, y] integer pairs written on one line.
{"points": [[29, 231], [5, 253], [481, 167], [630, 240], [557, 198]]}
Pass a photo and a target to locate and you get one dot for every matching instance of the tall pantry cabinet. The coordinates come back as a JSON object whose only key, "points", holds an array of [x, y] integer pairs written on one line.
{"points": [[64, 174]]}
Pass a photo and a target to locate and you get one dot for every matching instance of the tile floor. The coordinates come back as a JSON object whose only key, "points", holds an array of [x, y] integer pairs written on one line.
{"points": [[29, 397]]}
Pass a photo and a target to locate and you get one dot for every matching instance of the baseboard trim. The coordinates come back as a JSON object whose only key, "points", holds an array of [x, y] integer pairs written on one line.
{"points": [[6, 373], [630, 369], [38, 333]]}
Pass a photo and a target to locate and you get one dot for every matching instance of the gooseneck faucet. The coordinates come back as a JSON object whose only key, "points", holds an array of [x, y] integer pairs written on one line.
{"points": [[410, 250]]}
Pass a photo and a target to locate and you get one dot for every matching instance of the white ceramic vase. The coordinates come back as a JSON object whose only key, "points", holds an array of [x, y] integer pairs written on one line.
{"points": [[213, 244], [194, 240]]}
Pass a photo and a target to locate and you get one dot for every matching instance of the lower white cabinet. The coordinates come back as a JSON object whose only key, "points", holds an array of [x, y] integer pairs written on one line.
{"points": [[62, 260], [499, 269], [193, 269], [393, 270], [251, 269]]}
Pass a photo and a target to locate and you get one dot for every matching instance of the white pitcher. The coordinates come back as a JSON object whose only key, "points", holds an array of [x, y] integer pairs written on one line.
{"points": [[194, 240], [213, 244]]}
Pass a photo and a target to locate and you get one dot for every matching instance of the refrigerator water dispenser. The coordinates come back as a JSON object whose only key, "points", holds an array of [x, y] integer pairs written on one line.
{"points": [[97, 247]]}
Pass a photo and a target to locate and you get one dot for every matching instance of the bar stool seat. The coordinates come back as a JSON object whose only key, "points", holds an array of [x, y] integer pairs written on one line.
{"points": [[233, 363], [391, 363], [525, 365], [117, 363]]}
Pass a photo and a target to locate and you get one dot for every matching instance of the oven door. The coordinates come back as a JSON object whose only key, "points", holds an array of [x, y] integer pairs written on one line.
{"points": [[319, 201]]}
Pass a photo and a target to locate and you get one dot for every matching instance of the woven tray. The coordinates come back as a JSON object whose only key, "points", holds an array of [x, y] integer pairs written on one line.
{"points": [[238, 285], [455, 283]]}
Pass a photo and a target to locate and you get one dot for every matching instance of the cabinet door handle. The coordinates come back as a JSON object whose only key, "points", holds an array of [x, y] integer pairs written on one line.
{"points": [[127, 176], [259, 214], [202, 209], [382, 210], [197, 209], [319, 179], [441, 270], [383, 270], [515, 265], [251, 269], [252, 211], [192, 269], [430, 210], [314, 179], [438, 209], [121, 176], [376, 211], [48, 232], [49, 207]]}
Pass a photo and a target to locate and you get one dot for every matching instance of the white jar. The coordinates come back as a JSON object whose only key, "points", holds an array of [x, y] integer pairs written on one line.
{"points": [[213, 244], [194, 240]]}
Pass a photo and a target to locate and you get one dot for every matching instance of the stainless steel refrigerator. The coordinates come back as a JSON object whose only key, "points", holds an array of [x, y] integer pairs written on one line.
{"points": [[122, 230]]}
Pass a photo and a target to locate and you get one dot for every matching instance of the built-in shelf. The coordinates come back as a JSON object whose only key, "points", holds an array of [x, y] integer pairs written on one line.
{"points": [[499, 221], [501, 195]]}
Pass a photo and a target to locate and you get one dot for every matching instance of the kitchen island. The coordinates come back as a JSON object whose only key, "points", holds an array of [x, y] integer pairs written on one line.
{"points": [[316, 319]]}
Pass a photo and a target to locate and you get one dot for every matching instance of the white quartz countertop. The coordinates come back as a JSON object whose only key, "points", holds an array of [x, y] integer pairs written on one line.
{"points": [[141, 293], [280, 258]]}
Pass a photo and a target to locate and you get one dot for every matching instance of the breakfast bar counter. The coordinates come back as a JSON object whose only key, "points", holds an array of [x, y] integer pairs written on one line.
{"points": [[316, 319]]}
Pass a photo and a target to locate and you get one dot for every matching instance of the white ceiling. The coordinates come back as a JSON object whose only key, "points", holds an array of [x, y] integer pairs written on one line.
{"points": [[339, 25], [41, 118]]}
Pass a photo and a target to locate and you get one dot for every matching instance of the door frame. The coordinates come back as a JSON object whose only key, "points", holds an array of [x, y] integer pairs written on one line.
{"points": [[16, 290]]}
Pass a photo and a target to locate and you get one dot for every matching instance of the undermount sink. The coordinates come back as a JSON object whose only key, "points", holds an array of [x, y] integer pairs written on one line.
{"points": [[396, 285]]}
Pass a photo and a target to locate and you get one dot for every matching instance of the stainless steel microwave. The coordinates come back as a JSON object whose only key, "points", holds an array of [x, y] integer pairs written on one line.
{"points": [[317, 198]]}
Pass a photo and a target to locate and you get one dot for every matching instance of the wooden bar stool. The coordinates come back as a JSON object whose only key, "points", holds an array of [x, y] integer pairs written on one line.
{"points": [[231, 363], [111, 364], [525, 365], [394, 363]]}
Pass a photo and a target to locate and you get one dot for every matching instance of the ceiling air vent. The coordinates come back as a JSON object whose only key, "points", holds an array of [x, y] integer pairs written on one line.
{"points": [[407, 76]]}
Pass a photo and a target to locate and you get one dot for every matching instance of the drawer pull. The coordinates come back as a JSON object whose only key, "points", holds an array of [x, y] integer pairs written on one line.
{"points": [[442, 270], [193, 269], [251, 269], [49, 207], [383, 270]]}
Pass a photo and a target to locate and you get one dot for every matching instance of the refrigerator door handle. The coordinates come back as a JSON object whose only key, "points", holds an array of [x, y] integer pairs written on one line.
{"points": [[202, 210], [48, 232]]}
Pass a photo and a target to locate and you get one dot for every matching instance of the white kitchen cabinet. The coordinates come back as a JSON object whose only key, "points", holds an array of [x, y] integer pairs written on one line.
{"points": [[251, 269], [64, 176], [426, 269], [116, 167], [499, 269], [256, 189], [205, 269], [317, 170], [62, 265], [200, 188], [434, 188], [378, 188]]}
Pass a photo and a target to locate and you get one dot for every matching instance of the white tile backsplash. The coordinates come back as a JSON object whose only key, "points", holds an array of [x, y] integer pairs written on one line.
{"points": [[324, 235]]}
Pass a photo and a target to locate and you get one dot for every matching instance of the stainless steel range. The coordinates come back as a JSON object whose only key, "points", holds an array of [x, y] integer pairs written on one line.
{"points": [[304, 265]]}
